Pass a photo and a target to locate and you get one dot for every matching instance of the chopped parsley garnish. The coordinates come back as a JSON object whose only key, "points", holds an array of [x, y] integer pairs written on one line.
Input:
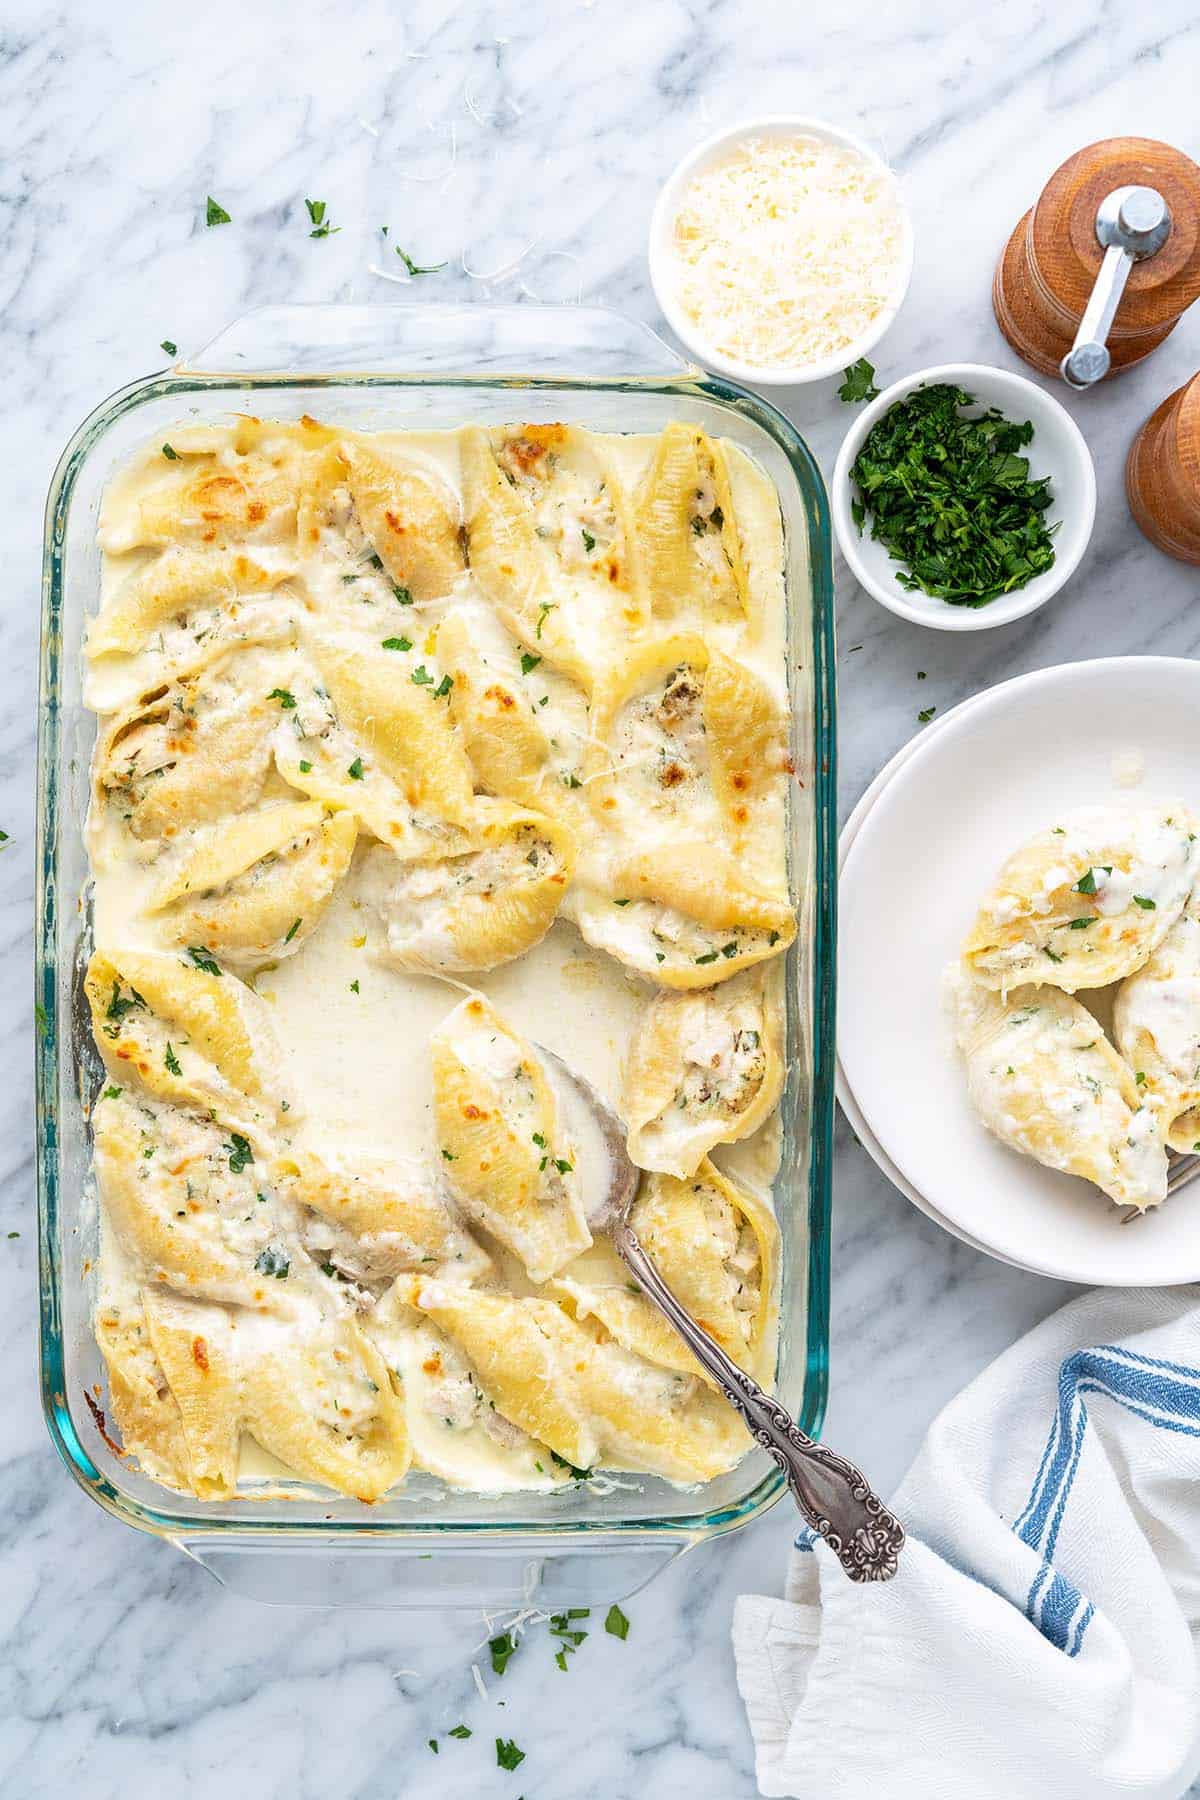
{"points": [[375, 561], [1140, 1077], [615, 1623], [421, 676], [443, 687], [321, 226], [356, 770], [920, 674], [170, 348], [117, 1007], [172, 1062], [111, 1093], [1087, 883], [214, 214], [292, 929], [415, 268], [240, 1152], [621, 902], [306, 768], [539, 1140], [507, 1754], [563, 1166], [589, 542], [272, 1262], [572, 781], [459, 1731], [432, 1742], [529, 662], [1048, 952], [399, 643], [923, 718], [286, 700], [1082, 924], [503, 1649], [203, 959], [1146, 904], [547, 606], [951, 498], [449, 1155], [402, 594], [709, 956], [349, 578], [729, 949], [859, 383], [171, 455], [354, 987]]}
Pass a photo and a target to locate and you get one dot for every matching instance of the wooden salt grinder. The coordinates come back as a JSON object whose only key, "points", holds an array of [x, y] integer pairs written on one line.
{"points": [[1162, 475], [1096, 275]]}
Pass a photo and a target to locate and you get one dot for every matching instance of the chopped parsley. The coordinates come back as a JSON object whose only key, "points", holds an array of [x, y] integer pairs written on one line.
{"points": [[356, 770], [507, 1754], [397, 643], [859, 383], [111, 1093], [172, 1062], [503, 1649], [449, 1155], [1083, 923], [286, 700], [1087, 883], [415, 268], [563, 1166], [539, 1140], [709, 956], [272, 1262], [561, 1462], [459, 1731], [432, 1742], [572, 781], [203, 959], [240, 1152], [321, 226], [1146, 904], [547, 606], [443, 687], [354, 987], [615, 1623], [1140, 1078], [306, 768], [421, 676], [951, 498], [117, 1007], [214, 214], [293, 928], [170, 348], [589, 542], [1048, 952], [529, 662], [402, 594], [924, 717], [170, 454]]}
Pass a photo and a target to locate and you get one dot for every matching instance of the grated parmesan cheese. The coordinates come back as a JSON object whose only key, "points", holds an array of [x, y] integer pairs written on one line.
{"points": [[787, 250]]}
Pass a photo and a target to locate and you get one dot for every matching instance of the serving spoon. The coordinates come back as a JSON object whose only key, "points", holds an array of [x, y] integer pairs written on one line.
{"points": [[832, 1495]]}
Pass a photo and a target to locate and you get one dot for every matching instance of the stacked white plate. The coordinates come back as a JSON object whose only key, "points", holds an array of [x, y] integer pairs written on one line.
{"points": [[916, 856]]}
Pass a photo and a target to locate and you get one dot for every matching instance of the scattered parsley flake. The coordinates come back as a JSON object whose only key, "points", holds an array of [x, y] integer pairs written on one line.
{"points": [[615, 1623], [397, 643], [421, 676], [170, 454], [443, 687], [459, 1731], [239, 1151], [272, 1262], [203, 959], [859, 383], [354, 987], [503, 1649], [306, 768], [528, 662], [316, 213], [415, 268], [923, 718], [1146, 904], [449, 1155], [563, 1166], [172, 1061], [286, 700], [293, 928], [589, 542], [547, 606], [170, 348], [356, 770], [214, 214], [111, 1093], [507, 1754]]}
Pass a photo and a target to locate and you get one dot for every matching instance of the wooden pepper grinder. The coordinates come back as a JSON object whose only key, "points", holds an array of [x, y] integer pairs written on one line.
{"points": [[1162, 475], [1098, 272]]}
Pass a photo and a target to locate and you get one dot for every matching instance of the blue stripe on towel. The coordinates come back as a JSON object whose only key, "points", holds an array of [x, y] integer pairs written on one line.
{"points": [[1164, 1394]]}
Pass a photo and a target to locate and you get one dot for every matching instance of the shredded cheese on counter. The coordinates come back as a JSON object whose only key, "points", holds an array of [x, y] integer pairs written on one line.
{"points": [[787, 250]]}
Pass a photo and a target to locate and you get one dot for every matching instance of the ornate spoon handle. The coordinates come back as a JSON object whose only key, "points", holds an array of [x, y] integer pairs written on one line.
{"points": [[832, 1494]]}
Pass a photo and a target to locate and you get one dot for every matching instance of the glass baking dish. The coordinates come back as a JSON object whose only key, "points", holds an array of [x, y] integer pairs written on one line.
{"points": [[424, 367]]}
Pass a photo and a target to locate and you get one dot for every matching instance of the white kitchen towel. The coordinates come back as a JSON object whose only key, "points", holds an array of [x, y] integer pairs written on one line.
{"points": [[1040, 1637]]}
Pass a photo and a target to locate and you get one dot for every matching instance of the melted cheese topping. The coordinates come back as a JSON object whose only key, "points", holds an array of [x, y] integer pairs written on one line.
{"points": [[787, 250], [313, 1234]]}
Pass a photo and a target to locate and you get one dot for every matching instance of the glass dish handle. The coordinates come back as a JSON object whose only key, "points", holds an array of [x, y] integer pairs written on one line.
{"points": [[431, 339]]}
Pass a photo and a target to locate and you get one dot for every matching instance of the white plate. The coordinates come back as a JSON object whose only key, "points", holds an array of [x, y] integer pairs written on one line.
{"points": [[962, 799], [845, 1096]]}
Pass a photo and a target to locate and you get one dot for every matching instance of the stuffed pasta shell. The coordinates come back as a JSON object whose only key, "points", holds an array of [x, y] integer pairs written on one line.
{"points": [[1156, 1024], [508, 1160], [705, 1068], [254, 889], [480, 908], [208, 490], [687, 530], [684, 915], [1086, 902], [379, 515], [1045, 1080], [187, 606]]}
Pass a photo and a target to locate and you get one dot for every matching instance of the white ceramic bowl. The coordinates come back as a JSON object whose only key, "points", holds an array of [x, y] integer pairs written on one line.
{"points": [[661, 255], [1058, 450]]}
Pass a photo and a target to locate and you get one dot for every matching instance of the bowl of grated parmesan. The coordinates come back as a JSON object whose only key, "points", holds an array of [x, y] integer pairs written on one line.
{"points": [[780, 251]]}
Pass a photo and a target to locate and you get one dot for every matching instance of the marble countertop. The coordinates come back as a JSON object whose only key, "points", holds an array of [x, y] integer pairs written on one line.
{"points": [[522, 142]]}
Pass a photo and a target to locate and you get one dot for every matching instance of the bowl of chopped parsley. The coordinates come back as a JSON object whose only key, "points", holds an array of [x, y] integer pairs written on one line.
{"points": [[964, 497]]}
